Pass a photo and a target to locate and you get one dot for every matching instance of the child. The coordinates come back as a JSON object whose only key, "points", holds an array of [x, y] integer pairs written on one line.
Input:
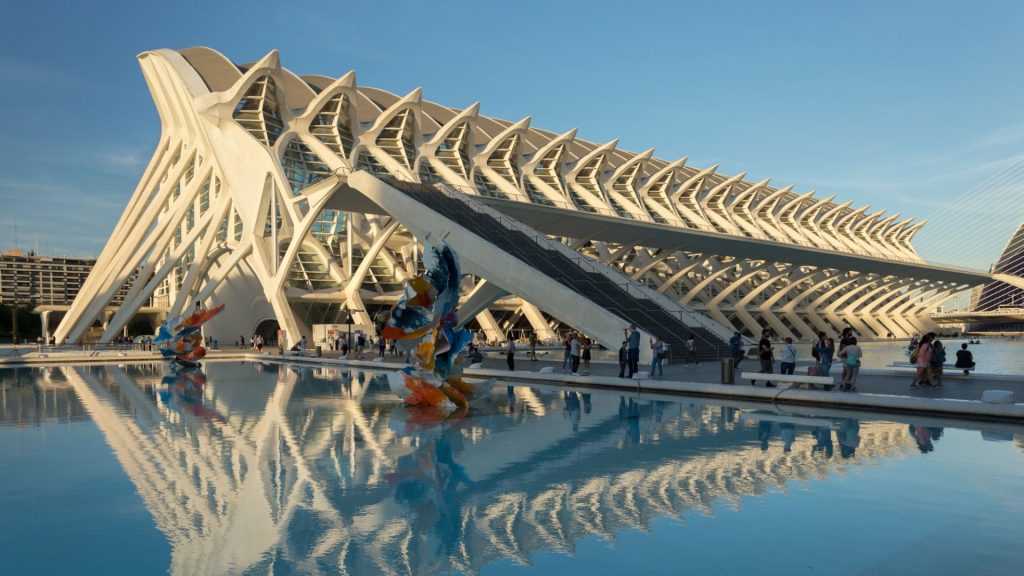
{"points": [[936, 363], [852, 355]]}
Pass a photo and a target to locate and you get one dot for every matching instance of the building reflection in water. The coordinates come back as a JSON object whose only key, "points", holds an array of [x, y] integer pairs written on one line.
{"points": [[260, 467]]}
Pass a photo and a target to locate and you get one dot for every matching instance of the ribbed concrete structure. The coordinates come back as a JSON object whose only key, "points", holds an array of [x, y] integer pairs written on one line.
{"points": [[245, 201]]}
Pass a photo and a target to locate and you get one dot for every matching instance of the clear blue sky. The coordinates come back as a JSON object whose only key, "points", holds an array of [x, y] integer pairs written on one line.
{"points": [[901, 105]]}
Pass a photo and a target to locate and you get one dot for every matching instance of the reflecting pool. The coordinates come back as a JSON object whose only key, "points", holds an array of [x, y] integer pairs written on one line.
{"points": [[266, 468]]}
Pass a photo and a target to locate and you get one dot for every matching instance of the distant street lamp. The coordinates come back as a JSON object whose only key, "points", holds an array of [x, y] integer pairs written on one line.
{"points": [[348, 324]]}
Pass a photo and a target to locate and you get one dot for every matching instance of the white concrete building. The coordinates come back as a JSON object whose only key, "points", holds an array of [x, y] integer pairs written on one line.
{"points": [[268, 191]]}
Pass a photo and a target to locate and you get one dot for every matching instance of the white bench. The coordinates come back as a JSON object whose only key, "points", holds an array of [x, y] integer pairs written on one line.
{"points": [[945, 367], [791, 380]]}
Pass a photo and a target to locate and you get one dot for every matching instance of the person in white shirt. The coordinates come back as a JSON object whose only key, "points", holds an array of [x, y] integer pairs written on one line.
{"points": [[510, 353], [787, 358], [574, 353]]}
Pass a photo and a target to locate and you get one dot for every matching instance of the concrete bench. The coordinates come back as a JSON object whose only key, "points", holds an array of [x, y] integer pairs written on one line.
{"points": [[791, 380], [945, 367]]}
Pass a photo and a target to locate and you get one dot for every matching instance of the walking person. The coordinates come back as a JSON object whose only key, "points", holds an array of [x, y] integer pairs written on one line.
{"points": [[922, 356], [241, 341], [937, 363], [633, 344], [851, 356], [360, 344], [736, 349], [533, 346], [382, 347], [657, 356], [587, 344], [510, 353], [691, 351], [964, 359], [574, 354], [623, 359], [787, 359]]}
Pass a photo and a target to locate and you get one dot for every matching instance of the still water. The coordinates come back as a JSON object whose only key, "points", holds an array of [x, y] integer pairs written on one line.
{"points": [[266, 468]]}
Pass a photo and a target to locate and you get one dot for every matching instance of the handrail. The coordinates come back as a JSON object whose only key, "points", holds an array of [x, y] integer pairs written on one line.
{"points": [[609, 272], [584, 263], [709, 229]]}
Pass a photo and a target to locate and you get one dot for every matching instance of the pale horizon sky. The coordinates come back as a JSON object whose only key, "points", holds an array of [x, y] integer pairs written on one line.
{"points": [[908, 106]]}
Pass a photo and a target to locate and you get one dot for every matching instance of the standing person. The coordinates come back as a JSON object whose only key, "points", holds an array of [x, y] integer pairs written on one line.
{"points": [[344, 346], [382, 347], [787, 359], [567, 357], [736, 348], [825, 356], [241, 341], [533, 346], [844, 341], [360, 344], [767, 357], [510, 353], [302, 345], [587, 344], [574, 354], [937, 362], [818, 346], [657, 355], [691, 351], [633, 343], [259, 343], [624, 359], [851, 355], [964, 359], [922, 356]]}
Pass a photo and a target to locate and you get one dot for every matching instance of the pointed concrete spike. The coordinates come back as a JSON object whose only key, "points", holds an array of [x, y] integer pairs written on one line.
{"points": [[347, 79], [473, 109], [524, 123], [271, 60], [416, 95]]}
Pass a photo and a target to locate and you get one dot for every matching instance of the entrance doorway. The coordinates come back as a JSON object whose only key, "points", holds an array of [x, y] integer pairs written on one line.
{"points": [[268, 329]]}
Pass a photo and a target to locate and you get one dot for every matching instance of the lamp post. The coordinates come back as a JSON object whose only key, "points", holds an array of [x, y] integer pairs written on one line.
{"points": [[348, 323]]}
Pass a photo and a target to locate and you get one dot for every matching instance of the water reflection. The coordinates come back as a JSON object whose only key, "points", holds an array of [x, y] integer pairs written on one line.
{"points": [[259, 468]]}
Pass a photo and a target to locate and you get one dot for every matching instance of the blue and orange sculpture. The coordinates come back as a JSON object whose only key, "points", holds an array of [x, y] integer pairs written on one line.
{"points": [[183, 344], [424, 322]]}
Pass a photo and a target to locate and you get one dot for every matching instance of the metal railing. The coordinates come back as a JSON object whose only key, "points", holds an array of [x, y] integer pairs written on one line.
{"points": [[685, 317], [674, 222]]}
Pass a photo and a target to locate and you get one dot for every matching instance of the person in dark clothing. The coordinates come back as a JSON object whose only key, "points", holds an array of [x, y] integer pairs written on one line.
{"points": [[767, 356], [964, 359], [736, 348], [623, 359], [633, 343]]}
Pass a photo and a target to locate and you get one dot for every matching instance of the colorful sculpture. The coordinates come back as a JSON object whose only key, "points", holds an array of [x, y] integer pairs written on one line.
{"points": [[183, 344], [424, 322]]}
